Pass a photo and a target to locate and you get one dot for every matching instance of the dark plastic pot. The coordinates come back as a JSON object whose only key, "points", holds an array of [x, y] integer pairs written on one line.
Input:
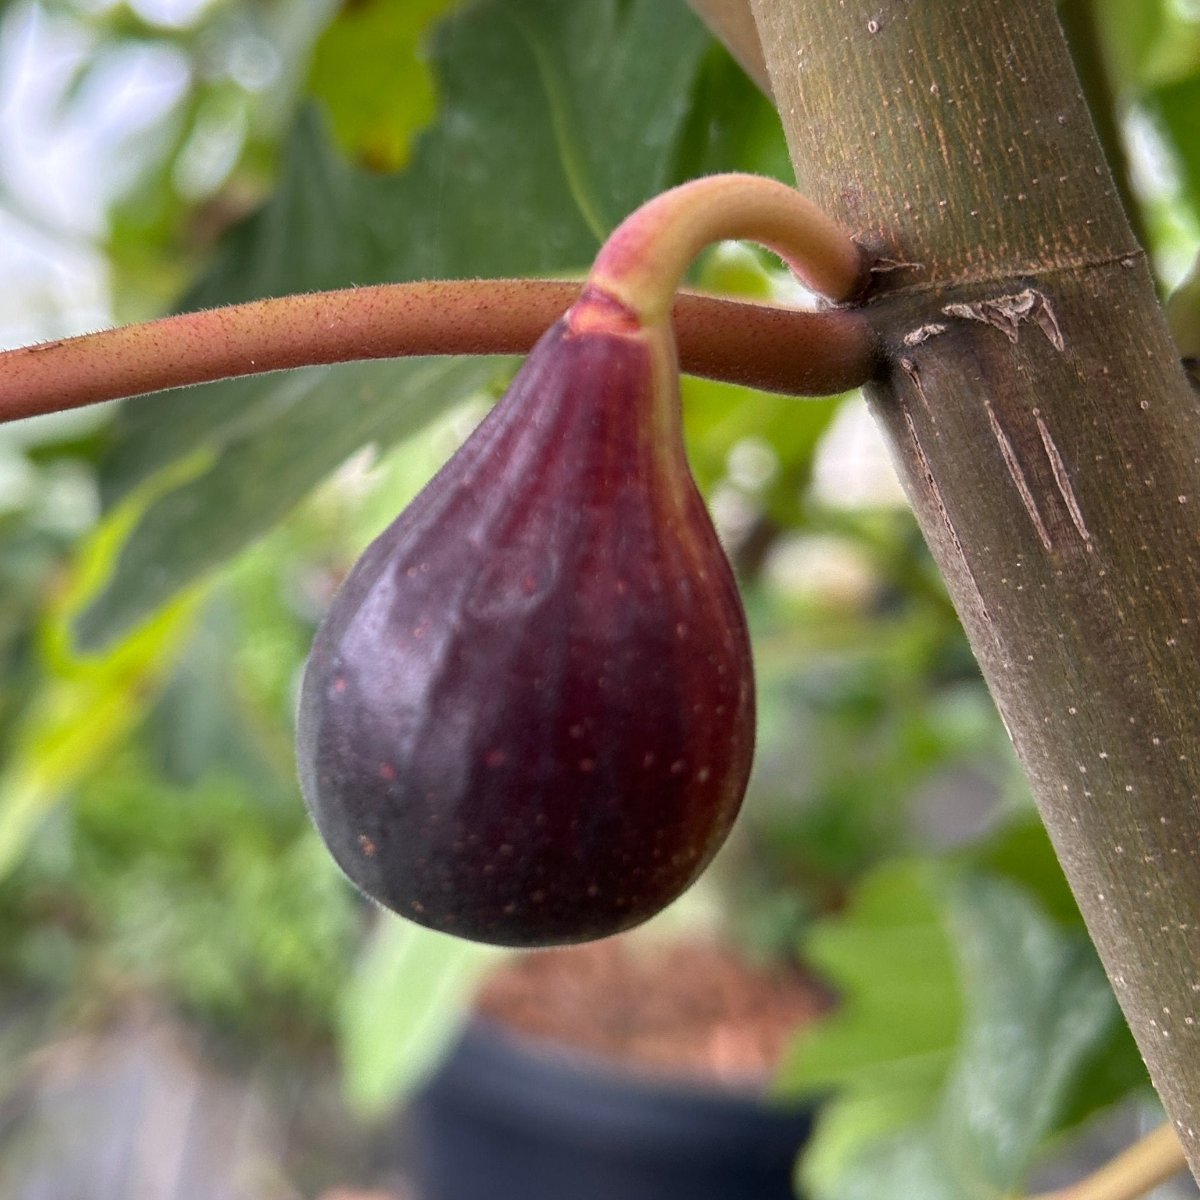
{"points": [[507, 1119]]}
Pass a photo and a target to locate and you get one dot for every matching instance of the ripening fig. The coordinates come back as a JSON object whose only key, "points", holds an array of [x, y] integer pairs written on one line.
{"points": [[528, 717]]}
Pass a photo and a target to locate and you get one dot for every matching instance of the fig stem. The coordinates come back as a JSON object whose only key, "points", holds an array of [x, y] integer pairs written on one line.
{"points": [[1135, 1171], [766, 346], [643, 262]]}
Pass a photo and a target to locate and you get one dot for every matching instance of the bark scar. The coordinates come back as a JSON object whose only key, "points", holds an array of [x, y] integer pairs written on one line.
{"points": [[1062, 480], [910, 369], [1008, 313], [939, 503], [924, 332], [1017, 475]]}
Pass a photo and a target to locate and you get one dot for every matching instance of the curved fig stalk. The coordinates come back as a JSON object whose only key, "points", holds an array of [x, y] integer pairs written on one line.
{"points": [[643, 262]]}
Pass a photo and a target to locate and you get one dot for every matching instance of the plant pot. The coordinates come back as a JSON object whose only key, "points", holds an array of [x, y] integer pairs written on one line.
{"points": [[519, 1116]]}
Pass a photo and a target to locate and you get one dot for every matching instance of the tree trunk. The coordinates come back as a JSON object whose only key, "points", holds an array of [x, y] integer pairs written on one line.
{"points": [[1047, 437]]}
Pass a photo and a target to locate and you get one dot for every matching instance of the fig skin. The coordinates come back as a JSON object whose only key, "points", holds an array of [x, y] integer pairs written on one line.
{"points": [[528, 718]]}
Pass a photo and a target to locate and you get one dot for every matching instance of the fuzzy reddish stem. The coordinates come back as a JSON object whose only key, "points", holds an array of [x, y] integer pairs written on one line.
{"points": [[778, 349]]}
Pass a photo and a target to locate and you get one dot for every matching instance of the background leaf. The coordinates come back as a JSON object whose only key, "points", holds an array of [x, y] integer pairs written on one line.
{"points": [[402, 1006], [1176, 108], [885, 1052], [263, 471], [1154, 51], [555, 121], [369, 70], [84, 705], [930, 1103]]}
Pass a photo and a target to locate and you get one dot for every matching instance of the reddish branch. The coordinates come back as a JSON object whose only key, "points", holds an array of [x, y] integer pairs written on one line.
{"points": [[764, 346]]}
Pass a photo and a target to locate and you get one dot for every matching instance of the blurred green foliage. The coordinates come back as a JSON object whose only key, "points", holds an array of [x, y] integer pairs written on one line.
{"points": [[162, 569]]}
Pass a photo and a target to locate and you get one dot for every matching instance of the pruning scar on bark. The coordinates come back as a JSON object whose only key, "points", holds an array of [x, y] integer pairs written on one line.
{"points": [[1007, 313]]}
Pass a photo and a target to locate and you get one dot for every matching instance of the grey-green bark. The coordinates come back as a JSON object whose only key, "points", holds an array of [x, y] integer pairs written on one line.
{"points": [[1047, 437]]}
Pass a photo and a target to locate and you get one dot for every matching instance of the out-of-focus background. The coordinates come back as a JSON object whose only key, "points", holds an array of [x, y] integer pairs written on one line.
{"points": [[193, 1002]]}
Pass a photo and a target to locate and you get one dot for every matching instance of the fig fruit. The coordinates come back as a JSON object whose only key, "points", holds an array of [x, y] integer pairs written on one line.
{"points": [[528, 717]]}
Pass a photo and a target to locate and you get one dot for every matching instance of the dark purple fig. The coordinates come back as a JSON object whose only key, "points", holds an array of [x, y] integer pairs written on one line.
{"points": [[528, 717]]}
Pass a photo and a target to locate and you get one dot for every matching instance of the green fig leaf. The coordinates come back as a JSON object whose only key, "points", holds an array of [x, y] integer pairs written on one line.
{"points": [[969, 1018], [1174, 107], [556, 119], [891, 957], [1153, 50], [263, 471], [84, 705], [1131, 32], [369, 70]]}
